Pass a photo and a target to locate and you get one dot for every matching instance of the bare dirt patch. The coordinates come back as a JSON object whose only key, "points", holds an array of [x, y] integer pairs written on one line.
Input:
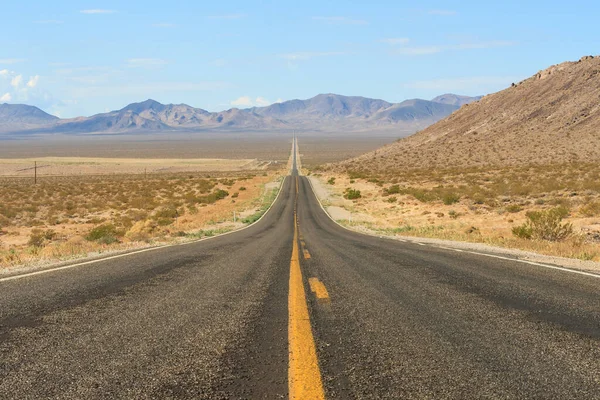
{"points": [[70, 166]]}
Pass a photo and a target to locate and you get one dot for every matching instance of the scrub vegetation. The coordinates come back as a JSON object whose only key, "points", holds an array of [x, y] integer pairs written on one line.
{"points": [[553, 209], [62, 217]]}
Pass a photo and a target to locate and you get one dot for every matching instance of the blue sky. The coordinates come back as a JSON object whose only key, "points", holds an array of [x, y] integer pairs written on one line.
{"points": [[79, 57]]}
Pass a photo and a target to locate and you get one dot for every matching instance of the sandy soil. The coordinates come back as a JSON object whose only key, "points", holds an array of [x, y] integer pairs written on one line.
{"points": [[57, 166], [375, 216]]}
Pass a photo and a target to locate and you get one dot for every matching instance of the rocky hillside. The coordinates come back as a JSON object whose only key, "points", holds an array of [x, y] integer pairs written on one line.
{"points": [[552, 117]]}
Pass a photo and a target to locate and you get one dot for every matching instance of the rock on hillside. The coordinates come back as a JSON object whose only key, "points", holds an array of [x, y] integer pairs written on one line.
{"points": [[552, 117]]}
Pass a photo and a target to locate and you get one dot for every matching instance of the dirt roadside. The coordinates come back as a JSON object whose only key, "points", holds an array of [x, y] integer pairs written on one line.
{"points": [[349, 215]]}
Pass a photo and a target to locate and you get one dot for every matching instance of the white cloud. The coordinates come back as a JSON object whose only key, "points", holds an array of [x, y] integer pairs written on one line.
{"points": [[33, 81], [146, 62], [426, 50], [244, 101], [247, 101], [396, 41], [97, 11], [442, 12], [16, 81], [307, 55], [337, 20], [227, 16], [11, 60], [262, 102], [17, 89]]}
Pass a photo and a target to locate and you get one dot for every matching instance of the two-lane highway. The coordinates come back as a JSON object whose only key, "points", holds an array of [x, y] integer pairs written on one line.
{"points": [[236, 317]]}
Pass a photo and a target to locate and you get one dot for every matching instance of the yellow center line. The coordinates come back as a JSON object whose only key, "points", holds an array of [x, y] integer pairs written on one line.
{"points": [[319, 289], [304, 375], [306, 254]]}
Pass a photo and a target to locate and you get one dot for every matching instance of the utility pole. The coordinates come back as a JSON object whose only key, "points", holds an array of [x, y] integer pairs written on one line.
{"points": [[35, 172], [234, 217]]}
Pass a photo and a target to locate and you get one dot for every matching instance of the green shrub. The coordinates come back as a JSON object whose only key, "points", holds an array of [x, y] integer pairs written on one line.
{"points": [[356, 175], [545, 225], [331, 181], [513, 208], [392, 199], [220, 194], [105, 234], [352, 194], [242, 188], [450, 198], [394, 189]]}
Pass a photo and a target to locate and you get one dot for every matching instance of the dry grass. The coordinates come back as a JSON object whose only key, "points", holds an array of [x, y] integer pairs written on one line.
{"points": [[478, 204], [62, 217], [70, 166]]}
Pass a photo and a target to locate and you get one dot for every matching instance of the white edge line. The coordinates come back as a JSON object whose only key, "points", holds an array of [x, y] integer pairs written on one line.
{"points": [[574, 271], [45, 271]]}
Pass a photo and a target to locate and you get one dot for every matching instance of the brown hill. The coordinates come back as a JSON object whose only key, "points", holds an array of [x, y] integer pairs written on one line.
{"points": [[550, 118]]}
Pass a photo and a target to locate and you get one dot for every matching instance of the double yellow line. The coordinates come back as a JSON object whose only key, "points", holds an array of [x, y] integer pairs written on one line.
{"points": [[304, 375]]}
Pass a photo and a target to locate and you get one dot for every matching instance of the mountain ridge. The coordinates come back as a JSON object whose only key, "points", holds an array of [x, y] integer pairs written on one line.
{"points": [[322, 112], [552, 117]]}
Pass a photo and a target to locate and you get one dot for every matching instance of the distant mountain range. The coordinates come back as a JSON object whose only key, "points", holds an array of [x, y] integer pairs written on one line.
{"points": [[325, 112]]}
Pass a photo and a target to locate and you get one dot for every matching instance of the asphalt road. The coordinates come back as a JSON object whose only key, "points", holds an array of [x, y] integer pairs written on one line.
{"points": [[210, 320]]}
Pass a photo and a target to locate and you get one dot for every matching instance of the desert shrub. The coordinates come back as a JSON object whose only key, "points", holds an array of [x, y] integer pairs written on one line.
{"points": [[356, 175], [394, 189], [422, 195], [513, 208], [331, 181], [219, 194], [252, 218], [169, 212], [352, 194], [450, 198], [392, 199], [591, 209], [545, 225], [242, 188], [105, 234], [235, 195], [40, 238], [4, 221], [453, 214]]}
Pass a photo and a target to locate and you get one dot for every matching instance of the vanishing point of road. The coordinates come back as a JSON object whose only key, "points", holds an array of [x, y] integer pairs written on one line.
{"points": [[296, 306]]}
